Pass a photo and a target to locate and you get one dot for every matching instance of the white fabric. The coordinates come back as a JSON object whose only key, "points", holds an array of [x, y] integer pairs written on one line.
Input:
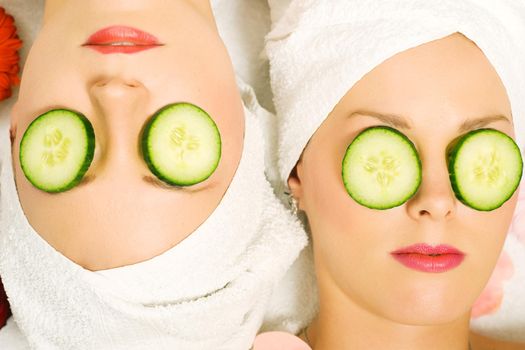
{"points": [[277, 9], [318, 49], [242, 25], [293, 304], [321, 48], [11, 338]]}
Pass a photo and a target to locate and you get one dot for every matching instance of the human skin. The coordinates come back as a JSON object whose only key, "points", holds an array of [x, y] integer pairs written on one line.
{"points": [[119, 215], [367, 299]]}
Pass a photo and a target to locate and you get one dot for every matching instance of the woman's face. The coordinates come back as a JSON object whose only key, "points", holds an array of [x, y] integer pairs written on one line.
{"points": [[120, 214], [433, 94]]}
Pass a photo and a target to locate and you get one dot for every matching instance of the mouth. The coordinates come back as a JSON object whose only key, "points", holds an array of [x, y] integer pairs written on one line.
{"points": [[121, 39], [426, 258]]}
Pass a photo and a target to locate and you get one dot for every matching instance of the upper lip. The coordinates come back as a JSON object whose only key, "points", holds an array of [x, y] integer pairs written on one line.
{"points": [[121, 36], [426, 249]]}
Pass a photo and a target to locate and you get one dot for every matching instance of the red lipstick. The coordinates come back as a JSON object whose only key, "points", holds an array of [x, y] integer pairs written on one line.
{"points": [[121, 39], [426, 258]]}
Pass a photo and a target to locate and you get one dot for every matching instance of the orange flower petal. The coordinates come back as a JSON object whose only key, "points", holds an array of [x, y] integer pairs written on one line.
{"points": [[9, 58]]}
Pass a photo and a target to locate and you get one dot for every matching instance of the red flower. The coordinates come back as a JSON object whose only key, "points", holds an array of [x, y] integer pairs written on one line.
{"points": [[9, 58], [5, 312]]}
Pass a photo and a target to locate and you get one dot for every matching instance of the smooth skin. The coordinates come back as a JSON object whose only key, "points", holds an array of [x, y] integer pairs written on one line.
{"points": [[432, 93], [121, 214]]}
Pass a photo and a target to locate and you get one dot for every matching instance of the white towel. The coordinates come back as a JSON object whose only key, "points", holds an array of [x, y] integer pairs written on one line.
{"points": [[319, 49], [208, 292], [277, 9], [242, 25]]}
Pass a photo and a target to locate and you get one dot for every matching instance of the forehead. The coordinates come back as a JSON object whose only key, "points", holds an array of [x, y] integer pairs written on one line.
{"points": [[449, 76]]}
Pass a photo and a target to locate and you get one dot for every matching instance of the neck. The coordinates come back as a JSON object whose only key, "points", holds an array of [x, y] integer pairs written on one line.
{"points": [[344, 324], [202, 6]]}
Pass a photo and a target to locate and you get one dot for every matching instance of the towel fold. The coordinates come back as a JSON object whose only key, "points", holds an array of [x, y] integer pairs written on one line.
{"points": [[208, 292], [319, 49]]}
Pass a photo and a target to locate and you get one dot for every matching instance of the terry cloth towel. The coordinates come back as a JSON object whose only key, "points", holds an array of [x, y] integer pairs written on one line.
{"points": [[320, 48], [208, 292]]}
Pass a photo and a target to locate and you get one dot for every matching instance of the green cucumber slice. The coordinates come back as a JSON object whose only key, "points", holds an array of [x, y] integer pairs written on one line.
{"points": [[485, 168], [181, 144], [381, 168], [57, 149]]}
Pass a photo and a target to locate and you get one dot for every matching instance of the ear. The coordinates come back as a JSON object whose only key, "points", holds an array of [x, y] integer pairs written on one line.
{"points": [[295, 184], [12, 133], [13, 124]]}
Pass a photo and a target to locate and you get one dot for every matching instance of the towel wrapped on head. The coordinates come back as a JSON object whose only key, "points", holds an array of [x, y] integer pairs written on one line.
{"points": [[208, 292], [319, 49]]}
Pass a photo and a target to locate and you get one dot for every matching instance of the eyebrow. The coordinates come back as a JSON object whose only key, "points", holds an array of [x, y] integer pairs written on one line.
{"points": [[153, 181], [481, 122], [390, 119], [402, 122]]}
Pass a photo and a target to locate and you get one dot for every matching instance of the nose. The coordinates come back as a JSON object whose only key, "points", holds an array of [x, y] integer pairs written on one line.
{"points": [[435, 199], [119, 101], [121, 110]]}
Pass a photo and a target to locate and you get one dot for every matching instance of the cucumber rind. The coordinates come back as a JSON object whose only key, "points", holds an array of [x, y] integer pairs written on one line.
{"points": [[148, 150], [89, 150], [453, 160], [408, 147]]}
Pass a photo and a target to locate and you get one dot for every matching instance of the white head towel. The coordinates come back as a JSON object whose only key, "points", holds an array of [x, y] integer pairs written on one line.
{"points": [[208, 292], [320, 48]]}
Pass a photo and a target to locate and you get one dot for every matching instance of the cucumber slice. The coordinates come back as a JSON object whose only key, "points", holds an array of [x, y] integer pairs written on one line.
{"points": [[181, 144], [381, 168], [57, 149], [485, 167]]}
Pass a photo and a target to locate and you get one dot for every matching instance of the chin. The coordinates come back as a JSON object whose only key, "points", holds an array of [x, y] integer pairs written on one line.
{"points": [[426, 317], [428, 305]]}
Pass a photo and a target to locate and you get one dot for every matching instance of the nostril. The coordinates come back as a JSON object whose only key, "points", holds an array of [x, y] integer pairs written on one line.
{"points": [[424, 213], [105, 91], [133, 84], [103, 82]]}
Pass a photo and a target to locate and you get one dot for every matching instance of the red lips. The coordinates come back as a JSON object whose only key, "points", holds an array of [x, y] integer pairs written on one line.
{"points": [[121, 39], [426, 258]]}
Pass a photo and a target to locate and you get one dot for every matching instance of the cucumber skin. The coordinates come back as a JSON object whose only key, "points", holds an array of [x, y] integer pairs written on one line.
{"points": [[146, 154], [90, 153], [451, 160], [145, 146], [410, 143]]}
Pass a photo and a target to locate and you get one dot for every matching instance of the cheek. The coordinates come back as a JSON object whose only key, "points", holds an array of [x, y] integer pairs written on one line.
{"points": [[345, 234], [488, 231], [325, 199]]}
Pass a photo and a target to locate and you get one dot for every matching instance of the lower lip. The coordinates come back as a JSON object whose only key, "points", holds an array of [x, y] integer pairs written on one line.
{"points": [[429, 263]]}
